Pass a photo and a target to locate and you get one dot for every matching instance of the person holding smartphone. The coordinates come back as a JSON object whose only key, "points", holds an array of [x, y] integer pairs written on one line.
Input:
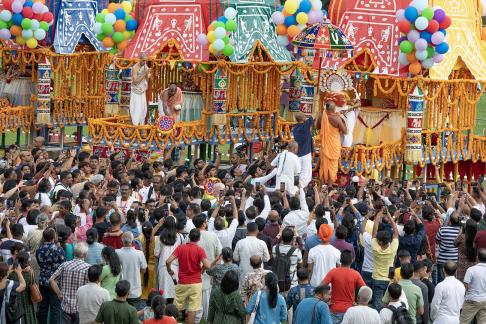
{"points": [[302, 132], [288, 167]]}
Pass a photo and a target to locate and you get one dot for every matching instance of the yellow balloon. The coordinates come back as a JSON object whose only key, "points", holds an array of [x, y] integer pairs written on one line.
{"points": [[32, 43], [126, 34], [211, 49], [291, 6], [211, 36], [20, 40], [127, 6], [105, 11], [302, 18]]}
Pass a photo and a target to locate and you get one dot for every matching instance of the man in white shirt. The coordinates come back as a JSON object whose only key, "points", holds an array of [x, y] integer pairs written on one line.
{"points": [[299, 213], [216, 224], [396, 294], [362, 313], [448, 297], [323, 257], [125, 200], [90, 296], [475, 300], [248, 247], [288, 167]]}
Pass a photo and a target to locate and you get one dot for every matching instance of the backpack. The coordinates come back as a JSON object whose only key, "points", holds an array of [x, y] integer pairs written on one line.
{"points": [[13, 303], [281, 267], [400, 314]]}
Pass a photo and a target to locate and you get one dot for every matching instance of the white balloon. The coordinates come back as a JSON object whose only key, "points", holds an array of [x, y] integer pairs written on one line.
{"points": [[218, 44], [402, 58], [45, 9], [282, 41], [230, 13], [34, 25], [220, 32], [97, 28], [420, 4]]}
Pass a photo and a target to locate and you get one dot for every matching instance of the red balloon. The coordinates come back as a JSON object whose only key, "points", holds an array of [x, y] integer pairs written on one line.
{"points": [[433, 26], [446, 23], [27, 12], [404, 26], [38, 17], [47, 17], [7, 4]]}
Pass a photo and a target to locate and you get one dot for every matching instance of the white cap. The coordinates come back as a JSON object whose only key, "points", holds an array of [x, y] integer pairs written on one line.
{"points": [[355, 179]]}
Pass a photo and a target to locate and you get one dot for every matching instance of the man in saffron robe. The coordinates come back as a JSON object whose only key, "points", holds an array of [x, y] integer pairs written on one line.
{"points": [[332, 125], [171, 100]]}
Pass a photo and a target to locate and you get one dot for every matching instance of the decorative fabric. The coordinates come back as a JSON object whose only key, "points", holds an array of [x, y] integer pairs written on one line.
{"points": [[415, 113], [126, 86], [44, 92], [112, 91], [307, 101], [295, 93]]}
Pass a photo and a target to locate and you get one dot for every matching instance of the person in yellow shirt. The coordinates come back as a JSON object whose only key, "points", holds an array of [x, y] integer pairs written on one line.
{"points": [[404, 257], [384, 247]]}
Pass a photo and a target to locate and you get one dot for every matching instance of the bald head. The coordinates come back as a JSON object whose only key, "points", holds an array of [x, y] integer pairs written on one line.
{"points": [[256, 261], [364, 295], [300, 117], [450, 268], [293, 147]]}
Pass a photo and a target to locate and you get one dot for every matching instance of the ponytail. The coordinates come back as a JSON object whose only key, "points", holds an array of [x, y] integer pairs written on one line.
{"points": [[272, 285]]}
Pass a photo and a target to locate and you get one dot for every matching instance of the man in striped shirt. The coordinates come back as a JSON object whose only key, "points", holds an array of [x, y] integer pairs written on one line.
{"points": [[445, 240]]}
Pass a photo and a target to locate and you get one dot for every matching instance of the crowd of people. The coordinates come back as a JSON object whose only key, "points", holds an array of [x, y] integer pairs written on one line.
{"points": [[111, 240]]}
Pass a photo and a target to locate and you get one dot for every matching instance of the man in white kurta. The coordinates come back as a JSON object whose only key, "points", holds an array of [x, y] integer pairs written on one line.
{"points": [[138, 100], [288, 167]]}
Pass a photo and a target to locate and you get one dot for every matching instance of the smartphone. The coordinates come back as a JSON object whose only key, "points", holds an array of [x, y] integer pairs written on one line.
{"points": [[296, 181], [282, 186], [348, 201]]}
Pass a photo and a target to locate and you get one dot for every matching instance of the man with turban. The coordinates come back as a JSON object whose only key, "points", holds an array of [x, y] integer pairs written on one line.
{"points": [[323, 257], [332, 126]]}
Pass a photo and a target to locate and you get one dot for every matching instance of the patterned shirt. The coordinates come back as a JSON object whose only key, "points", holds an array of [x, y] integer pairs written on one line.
{"points": [[297, 294], [49, 257], [70, 276], [253, 282]]}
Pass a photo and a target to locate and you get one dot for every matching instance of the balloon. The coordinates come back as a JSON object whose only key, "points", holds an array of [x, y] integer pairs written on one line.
{"points": [[400, 15], [100, 18], [413, 35], [211, 28], [320, 15], [20, 40], [290, 20], [438, 58], [32, 43], [120, 13], [226, 39], [211, 37], [100, 37], [411, 58], [126, 34], [415, 68], [27, 12], [131, 25], [110, 18], [37, 7], [421, 44], [312, 15], [230, 13], [112, 7], [401, 39], [16, 30], [411, 13], [439, 15], [230, 25], [127, 6], [128, 18], [421, 55], [27, 3], [443, 31], [282, 40], [430, 52], [17, 6], [40, 34], [48, 17], [281, 30], [122, 45], [442, 48], [120, 25], [117, 37], [426, 35], [427, 64], [202, 39], [433, 26], [305, 6], [301, 27], [212, 49], [421, 23], [278, 18], [45, 9], [406, 47], [293, 31], [437, 38], [218, 24], [218, 44], [7, 5], [26, 23], [419, 4], [404, 26], [107, 28], [219, 32], [17, 19], [428, 13], [108, 42], [44, 26], [402, 58], [317, 5], [5, 34], [27, 33], [302, 18], [5, 15], [446, 23], [34, 24], [3, 24], [291, 6]]}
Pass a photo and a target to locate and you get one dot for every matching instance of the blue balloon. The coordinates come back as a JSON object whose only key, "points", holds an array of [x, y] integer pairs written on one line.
{"points": [[119, 13], [280, 8], [442, 48], [290, 20], [17, 18], [305, 6], [411, 13], [131, 25], [443, 31], [426, 35], [223, 19], [28, 4]]}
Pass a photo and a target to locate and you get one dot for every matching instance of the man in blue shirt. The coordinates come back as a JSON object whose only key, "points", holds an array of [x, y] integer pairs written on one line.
{"points": [[303, 290], [303, 136], [314, 310]]}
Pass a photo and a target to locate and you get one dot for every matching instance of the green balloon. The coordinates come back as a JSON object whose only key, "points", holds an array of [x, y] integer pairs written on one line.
{"points": [[44, 25], [10, 23], [428, 13], [107, 28], [226, 39], [406, 47], [26, 23], [230, 25], [100, 17], [128, 17], [113, 51], [3, 24], [100, 37], [218, 24], [228, 50], [430, 52], [118, 37], [132, 33]]}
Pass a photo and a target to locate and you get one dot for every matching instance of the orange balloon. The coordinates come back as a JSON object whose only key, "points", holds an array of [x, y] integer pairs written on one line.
{"points": [[41, 1], [108, 42], [284, 12], [411, 57], [293, 31], [415, 68], [112, 7], [16, 30], [122, 45], [281, 29], [211, 28], [120, 25]]}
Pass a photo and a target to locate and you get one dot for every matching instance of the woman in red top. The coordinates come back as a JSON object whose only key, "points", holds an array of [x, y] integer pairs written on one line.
{"points": [[158, 306]]}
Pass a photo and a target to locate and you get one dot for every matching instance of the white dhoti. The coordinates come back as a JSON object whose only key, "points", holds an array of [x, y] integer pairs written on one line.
{"points": [[138, 108], [305, 175], [351, 116]]}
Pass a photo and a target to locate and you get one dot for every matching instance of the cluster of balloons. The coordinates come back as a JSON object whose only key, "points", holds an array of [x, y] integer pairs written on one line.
{"points": [[424, 35], [218, 34], [26, 22], [115, 26], [294, 16]]}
